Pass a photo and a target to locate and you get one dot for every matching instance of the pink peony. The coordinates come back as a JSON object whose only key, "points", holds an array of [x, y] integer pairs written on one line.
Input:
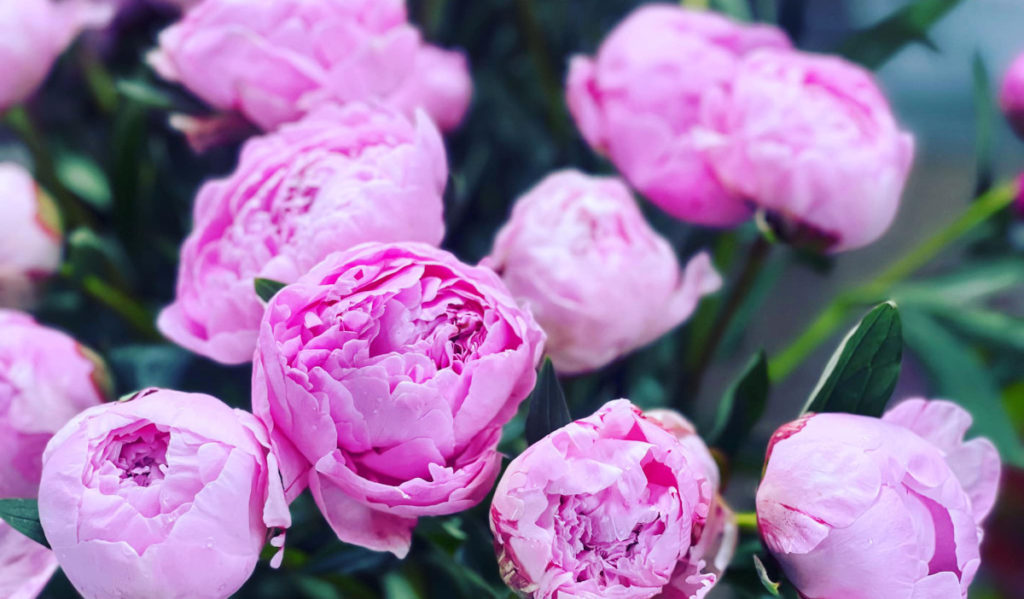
{"points": [[30, 236], [613, 505], [598, 279], [166, 495], [812, 141], [25, 566], [385, 376], [640, 98], [46, 378], [1011, 95], [275, 60], [337, 178], [866, 508], [33, 33]]}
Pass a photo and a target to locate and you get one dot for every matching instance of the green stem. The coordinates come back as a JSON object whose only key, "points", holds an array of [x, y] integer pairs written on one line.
{"points": [[837, 313], [130, 310], [747, 521]]}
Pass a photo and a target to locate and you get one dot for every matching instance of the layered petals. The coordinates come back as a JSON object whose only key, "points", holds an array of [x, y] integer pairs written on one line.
{"points": [[30, 236]]}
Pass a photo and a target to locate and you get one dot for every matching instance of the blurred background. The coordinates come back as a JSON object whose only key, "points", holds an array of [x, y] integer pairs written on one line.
{"points": [[103, 116]]}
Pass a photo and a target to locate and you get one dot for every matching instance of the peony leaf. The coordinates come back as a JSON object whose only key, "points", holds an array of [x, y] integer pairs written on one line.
{"points": [[862, 373], [548, 409], [267, 288], [769, 585], [23, 516], [874, 46], [741, 406]]}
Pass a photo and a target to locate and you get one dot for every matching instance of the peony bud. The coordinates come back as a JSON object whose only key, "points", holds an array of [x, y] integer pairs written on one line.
{"points": [[638, 101], [868, 508], [30, 237], [166, 495], [384, 376], [599, 280], [1011, 95], [274, 60], [613, 505], [337, 178]]}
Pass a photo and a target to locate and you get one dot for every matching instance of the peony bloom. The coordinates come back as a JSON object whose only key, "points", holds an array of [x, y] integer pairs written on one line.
{"points": [[640, 98], [33, 33], [598, 279], [166, 495], [811, 140], [1011, 95], [867, 508], [339, 177], [613, 505], [25, 566], [384, 376], [46, 378], [274, 60], [30, 236]]}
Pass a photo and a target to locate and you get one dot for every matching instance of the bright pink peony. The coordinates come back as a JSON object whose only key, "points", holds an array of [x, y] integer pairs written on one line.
{"points": [[1011, 95], [337, 178], [25, 566], [275, 60], [613, 505], [30, 236], [166, 495], [866, 508], [599, 280], [33, 33], [46, 378], [812, 141], [385, 376], [639, 99]]}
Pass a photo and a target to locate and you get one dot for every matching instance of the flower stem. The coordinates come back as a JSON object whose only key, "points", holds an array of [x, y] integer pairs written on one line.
{"points": [[130, 310], [837, 313], [747, 521]]}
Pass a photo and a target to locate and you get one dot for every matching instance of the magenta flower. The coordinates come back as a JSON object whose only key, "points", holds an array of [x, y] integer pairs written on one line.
{"points": [[640, 98], [46, 378], [275, 61], [612, 505], [337, 178], [812, 141], [1011, 95], [866, 508], [168, 494], [599, 280], [30, 236], [384, 376]]}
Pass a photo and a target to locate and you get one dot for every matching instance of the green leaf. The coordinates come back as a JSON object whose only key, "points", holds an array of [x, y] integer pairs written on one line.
{"points": [[874, 46], [741, 406], [23, 516], [737, 9], [145, 94], [84, 178], [862, 373], [267, 288], [762, 574], [548, 409], [985, 118], [959, 374], [397, 586], [988, 325], [970, 283]]}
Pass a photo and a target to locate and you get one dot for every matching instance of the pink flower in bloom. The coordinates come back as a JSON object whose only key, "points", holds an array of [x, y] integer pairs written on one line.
{"points": [[337, 178], [30, 236], [168, 494], [33, 33], [639, 99], [46, 378], [812, 141], [599, 280], [613, 505], [274, 60], [25, 566], [1011, 95], [866, 508], [384, 376]]}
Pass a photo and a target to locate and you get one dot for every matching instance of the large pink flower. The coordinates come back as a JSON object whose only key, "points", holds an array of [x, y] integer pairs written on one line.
{"points": [[1011, 95], [867, 508], [613, 505], [812, 141], [167, 494], [337, 178], [639, 99], [599, 280], [30, 236], [33, 33], [385, 376], [274, 60]]}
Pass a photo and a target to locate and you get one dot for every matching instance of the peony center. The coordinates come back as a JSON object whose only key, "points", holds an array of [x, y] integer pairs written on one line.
{"points": [[141, 455]]}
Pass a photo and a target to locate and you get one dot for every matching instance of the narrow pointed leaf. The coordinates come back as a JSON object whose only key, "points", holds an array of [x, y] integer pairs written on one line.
{"points": [[741, 406], [874, 46], [23, 516], [762, 574], [267, 288], [548, 409]]}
